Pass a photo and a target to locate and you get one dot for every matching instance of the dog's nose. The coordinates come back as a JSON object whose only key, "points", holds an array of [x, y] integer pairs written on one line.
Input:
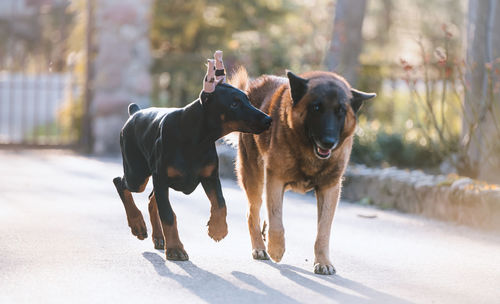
{"points": [[267, 121], [328, 142]]}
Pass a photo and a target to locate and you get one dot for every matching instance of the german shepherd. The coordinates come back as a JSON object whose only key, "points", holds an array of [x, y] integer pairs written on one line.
{"points": [[307, 147]]}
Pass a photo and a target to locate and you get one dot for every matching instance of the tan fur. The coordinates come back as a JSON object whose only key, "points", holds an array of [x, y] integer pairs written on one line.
{"points": [[157, 234], [172, 172], [143, 186], [217, 225], [134, 216], [283, 158], [168, 233], [207, 171], [239, 79], [230, 126]]}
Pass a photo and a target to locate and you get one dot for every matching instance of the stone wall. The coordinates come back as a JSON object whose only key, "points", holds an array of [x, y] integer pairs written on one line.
{"points": [[121, 67], [450, 198]]}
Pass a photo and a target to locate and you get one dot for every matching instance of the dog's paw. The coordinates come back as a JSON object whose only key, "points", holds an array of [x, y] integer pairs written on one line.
{"points": [[138, 227], [260, 254], [176, 254], [217, 231], [217, 226], [325, 269], [159, 242], [276, 244]]}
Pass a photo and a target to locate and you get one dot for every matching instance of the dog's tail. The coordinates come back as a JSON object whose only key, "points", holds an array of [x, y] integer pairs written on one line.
{"points": [[132, 108], [240, 79]]}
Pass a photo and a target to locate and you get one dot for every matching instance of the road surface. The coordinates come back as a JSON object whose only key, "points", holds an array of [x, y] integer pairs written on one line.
{"points": [[64, 239]]}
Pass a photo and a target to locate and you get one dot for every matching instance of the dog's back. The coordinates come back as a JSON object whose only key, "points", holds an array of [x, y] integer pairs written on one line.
{"points": [[261, 92]]}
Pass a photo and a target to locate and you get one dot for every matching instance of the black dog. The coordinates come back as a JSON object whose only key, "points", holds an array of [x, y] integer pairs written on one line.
{"points": [[177, 147]]}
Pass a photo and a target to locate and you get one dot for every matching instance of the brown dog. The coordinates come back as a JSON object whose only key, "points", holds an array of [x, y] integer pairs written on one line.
{"points": [[307, 147]]}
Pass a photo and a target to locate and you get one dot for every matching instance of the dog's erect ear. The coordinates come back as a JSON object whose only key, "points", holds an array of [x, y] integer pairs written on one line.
{"points": [[298, 86], [220, 74], [209, 81], [358, 97]]}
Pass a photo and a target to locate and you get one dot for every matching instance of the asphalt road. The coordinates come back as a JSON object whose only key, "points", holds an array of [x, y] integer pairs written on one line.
{"points": [[64, 239]]}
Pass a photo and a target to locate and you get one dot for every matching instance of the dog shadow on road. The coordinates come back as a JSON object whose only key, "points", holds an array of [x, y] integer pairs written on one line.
{"points": [[213, 288], [358, 293]]}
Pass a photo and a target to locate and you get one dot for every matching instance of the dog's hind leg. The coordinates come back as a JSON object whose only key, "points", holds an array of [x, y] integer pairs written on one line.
{"points": [[327, 204], [158, 240], [174, 249], [251, 178], [134, 216]]}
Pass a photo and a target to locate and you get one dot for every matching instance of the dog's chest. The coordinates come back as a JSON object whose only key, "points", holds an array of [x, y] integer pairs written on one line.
{"points": [[185, 172], [307, 176]]}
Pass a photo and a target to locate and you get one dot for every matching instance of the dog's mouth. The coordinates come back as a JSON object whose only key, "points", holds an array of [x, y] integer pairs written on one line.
{"points": [[260, 128], [322, 153], [253, 130]]}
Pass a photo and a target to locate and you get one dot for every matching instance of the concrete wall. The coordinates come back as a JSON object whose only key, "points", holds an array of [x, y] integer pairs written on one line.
{"points": [[121, 67]]}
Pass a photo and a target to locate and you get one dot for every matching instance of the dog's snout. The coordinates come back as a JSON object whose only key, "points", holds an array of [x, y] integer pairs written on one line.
{"points": [[266, 121]]}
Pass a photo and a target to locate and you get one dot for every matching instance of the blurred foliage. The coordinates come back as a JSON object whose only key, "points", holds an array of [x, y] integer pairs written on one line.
{"points": [[71, 114], [36, 37], [391, 28], [412, 58], [263, 36], [416, 120], [376, 147], [271, 36]]}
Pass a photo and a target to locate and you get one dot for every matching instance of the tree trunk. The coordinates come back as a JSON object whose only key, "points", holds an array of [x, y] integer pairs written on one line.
{"points": [[343, 54], [480, 121]]}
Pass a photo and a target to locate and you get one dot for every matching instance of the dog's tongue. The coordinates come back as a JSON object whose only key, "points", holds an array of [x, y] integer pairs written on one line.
{"points": [[323, 152]]}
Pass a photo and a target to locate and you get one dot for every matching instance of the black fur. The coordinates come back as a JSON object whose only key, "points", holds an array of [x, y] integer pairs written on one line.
{"points": [[132, 108], [298, 87], [326, 113], [156, 141], [358, 97]]}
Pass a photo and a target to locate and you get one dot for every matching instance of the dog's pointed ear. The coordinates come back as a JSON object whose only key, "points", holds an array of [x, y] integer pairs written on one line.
{"points": [[209, 81], [358, 97], [298, 86], [220, 74]]}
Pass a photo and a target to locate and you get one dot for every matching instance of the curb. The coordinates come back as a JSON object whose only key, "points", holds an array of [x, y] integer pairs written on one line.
{"points": [[450, 198]]}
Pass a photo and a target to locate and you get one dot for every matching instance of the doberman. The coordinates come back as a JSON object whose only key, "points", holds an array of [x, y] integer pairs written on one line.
{"points": [[176, 146]]}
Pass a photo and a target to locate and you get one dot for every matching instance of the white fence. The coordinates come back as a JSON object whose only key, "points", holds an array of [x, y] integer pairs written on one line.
{"points": [[30, 106]]}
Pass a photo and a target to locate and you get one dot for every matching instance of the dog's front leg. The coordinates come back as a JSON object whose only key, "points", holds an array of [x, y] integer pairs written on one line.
{"points": [[217, 226], [327, 204], [174, 249], [274, 202], [157, 235]]}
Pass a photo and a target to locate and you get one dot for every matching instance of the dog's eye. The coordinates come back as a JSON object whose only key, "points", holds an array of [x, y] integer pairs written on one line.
{"points": [[341, 111], [234, 104], [317, 107]]}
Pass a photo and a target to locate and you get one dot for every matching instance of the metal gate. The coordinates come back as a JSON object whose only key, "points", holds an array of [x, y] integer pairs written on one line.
{"points": [[42, 73]]}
